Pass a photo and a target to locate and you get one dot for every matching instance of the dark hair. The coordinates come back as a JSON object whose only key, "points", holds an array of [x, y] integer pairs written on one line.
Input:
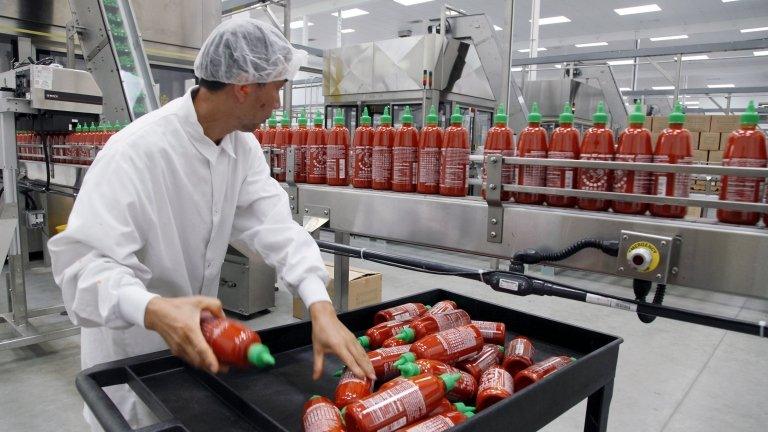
{"points": [[212, 86]]}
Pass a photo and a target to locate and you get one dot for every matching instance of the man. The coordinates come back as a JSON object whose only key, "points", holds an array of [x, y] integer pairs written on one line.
{"points": [[142, 252]]}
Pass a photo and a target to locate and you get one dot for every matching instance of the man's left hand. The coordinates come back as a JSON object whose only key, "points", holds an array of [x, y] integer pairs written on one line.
{"points": [[330, 336]]}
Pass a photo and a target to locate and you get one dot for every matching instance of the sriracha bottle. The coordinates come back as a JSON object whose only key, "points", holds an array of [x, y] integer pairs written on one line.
{"points": [[336, 152], [535, 373], [439, 422], [321, 415], [383, 360], [634, 146], [383, 140], [430, 145], [564, 144], [316, 151], [495, 384], [446, 406], [488, 356], [234, 343], [269, 140], [377, 334], [448, 346], [282, 141], [672, 147], [394, 341], [442, 306], [493, 332], [70, 153], [404, 153], [454, 157], [519, 355], [259, 134], [597, 145], [361, 178], [299, 141], [433, 323], [466, 386], [532, 144], [500, 140], [351, 389], [404, 402], [403, 312], [745, 148]]}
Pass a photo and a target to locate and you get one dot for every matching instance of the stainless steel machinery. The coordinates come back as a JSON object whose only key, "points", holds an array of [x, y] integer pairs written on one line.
{"points": [[247, 284]]}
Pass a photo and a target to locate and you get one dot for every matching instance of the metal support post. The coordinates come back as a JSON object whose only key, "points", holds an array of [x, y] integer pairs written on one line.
{"points": [[340, 295], [288, 87], [534, 45], [677, 77], [25, 48], [290, 178], [70, 32], [507, 53], [493, 165], [636, 66]]}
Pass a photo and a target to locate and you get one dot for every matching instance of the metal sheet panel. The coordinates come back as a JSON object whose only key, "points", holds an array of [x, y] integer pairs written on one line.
{"points": [[398, 64], [473, 81], [348, 70]]}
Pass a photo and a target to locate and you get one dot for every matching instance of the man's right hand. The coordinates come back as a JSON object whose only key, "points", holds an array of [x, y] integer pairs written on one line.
{"points": [[177, 320]]}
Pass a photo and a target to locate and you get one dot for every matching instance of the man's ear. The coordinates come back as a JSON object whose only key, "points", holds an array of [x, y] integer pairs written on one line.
{"points": [[241, 91]]}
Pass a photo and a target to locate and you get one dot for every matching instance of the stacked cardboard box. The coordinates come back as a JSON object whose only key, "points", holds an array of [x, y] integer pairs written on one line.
{"points": [[709, 134]]}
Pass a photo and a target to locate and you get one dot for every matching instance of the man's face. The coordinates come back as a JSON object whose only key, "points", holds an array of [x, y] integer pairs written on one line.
{"points": [[257, 102]]}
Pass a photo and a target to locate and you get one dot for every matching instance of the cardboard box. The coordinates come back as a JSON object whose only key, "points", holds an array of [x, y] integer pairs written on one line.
{"points": [[715, 157], [724, 140], [693, 213], [697, 122], [648, 124], [655, 138], [659, 123], [700, 155], [709, 141], [724, 123], [695, 137], [364, 289]]}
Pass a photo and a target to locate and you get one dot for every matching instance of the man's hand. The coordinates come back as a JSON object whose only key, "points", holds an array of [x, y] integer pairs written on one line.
{"points": [[329, 335], [177, 320]]}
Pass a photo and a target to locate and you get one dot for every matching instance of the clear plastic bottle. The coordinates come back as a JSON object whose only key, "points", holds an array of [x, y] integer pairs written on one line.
{"points": [[564, 144], [316, 139], [597, 145], [404, 155], [337, 149], [454, 157], [672, 147], [500, 140], [381, 162], [532, 144], [363, 150], [634, 146]]}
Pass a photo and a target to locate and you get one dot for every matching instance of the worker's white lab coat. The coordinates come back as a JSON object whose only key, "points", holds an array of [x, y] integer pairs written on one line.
{"points": [[154, 216]]}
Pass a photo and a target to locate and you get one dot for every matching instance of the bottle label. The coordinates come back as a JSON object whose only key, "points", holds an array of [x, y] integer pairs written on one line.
{"points": [[349, 377], [594, 179], [429, 166], [488, 357], [363, 156], [745, 189], [317, 154], [456, 340], [335, 161], [391, 351], [532, 175], [507, 171], [404, 312], [382, 164], [560, 177], [454, 162], [403, 162], [487, 328], [433, 424], [548, 366], [521, 348], [671, 184], [496, 378], [451, 319], [634, 182], [321, 418], [402, 400]]}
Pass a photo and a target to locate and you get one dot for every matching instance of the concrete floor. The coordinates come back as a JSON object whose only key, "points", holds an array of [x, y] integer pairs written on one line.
{"points": [[671, 376]]}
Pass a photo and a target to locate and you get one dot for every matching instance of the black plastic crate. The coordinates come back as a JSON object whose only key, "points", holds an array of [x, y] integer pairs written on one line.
{"points": [[186, 399]]}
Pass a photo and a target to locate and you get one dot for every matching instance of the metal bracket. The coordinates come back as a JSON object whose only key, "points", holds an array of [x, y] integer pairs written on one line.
{"points": [[661, 254], [97, 49], [315, 217], [290, 178], [493, 167]]}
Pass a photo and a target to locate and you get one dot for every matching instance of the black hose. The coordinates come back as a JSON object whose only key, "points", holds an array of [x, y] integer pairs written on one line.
{"points": [[533, 256], [642, 288]]}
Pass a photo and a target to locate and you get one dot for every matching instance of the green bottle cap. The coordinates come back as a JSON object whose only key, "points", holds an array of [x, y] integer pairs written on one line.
{"points": [[92, 127], [272, 121], [567, 115], [409, 369], [303, 118], [116, 127], [501, 348], [573, 358], [677, 116], [318, 119], [107, 126], [259, 356], [428, 307], [456, 117], [386, 119], [342, 413], [534, 116], [406, 334], [450, 380], [460, 407], [315, 397], [78, 128], [501, 115], [339, 373], [285, 121], [468, 414], [406, 118], [432, 116], [408, 357], [365, 341], [600, 116], [338, 118], [750, 116], [365, 119], [637, 116]]}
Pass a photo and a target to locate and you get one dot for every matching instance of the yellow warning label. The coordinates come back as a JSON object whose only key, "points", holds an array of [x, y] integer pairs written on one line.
{"points": [[655, 255]]}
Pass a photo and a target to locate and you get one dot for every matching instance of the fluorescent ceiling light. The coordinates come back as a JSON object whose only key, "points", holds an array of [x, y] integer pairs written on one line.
{"points": [[591, 44], [525, 50], [691, 103], [624, 89], [666, 38], [300, 24], [620, 62], [553, 20], [729, 1], [517, 69], [720, 86], [760, 53], [347, 30], [497, 28], [350, 13], [638, 9], [756, 29], [411, 2], [559, 66], [663, 88], [695, 57]]}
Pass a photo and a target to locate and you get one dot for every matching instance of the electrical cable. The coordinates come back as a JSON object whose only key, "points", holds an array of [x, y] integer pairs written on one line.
{"points": [[534, 256]]}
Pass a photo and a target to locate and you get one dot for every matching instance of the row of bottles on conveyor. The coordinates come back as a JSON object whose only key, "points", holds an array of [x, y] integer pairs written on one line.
{"points": [[430, 161], [77, 147]]}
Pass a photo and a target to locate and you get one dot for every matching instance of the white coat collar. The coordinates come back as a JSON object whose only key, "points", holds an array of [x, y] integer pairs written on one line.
{"points": [[194, 130]]}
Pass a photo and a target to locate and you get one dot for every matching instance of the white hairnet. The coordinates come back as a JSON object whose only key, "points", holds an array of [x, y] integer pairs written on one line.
{"points": [[247, 51]]}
